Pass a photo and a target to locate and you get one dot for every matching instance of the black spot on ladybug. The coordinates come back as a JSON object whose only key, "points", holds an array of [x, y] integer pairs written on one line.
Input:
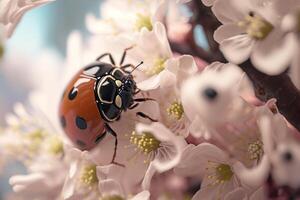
{"points": [[100, 138], [63, 121], [73, 93], [80, 143], [80, 123]]}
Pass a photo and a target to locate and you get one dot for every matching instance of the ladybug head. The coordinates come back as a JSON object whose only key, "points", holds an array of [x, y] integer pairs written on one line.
{"points": [[127, 92]]}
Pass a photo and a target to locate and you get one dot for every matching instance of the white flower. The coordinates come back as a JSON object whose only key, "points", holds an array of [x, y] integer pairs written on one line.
{"points": [[152, 47], [81, 180], [12, 11], [44, 181], [126, 16], [30, 139], [280, 49], [210, 163], [29, 135], [158, 148], [168, 94], [246, 32], [281, 161], [211, 98]]}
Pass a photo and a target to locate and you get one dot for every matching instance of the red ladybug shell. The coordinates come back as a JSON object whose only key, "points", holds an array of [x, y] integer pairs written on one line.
{"points": [[78, 112]]}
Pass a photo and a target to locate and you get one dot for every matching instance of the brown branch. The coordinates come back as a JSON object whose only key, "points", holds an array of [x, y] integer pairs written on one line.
{"points": [[279, 87]]}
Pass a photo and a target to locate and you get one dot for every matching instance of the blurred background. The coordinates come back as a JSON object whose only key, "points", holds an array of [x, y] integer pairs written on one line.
{"points": [[45, 27]]}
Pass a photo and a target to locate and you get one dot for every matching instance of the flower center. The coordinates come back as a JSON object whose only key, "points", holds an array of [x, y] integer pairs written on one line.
{"points": [[219, 173], [113, 197], [143, 21], [255, 150], [144, 142], [159, 65], [89, 175], [175, 110], [256, 27], [55, 146], [35, 139]]}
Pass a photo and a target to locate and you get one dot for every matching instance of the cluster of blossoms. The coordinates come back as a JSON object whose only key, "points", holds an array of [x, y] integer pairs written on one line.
{"points": [[205, 136]]}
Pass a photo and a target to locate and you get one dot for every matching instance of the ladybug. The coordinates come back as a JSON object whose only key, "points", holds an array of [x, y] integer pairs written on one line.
{"points": [[95, 97]]}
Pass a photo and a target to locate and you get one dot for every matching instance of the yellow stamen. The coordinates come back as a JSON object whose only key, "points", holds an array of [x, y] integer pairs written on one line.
{"points": [[144, 142], [159, 66], [55, 146], [175, 110], [89, 175], [143, 21], [218, 173], [255, 150], [256, 27]]}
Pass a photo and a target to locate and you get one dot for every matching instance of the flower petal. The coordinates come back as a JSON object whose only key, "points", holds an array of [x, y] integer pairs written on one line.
{"points": [[227, 31], [237, 49], [237, 194], [144, 195], [274, 54]]}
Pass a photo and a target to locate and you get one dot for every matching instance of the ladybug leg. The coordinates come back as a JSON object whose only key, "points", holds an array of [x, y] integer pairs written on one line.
{"points": [[113, 133], [124, 55], [134, 106], [125, 67], [143, 115], [143, 99], [110, 58], [137, 91]]}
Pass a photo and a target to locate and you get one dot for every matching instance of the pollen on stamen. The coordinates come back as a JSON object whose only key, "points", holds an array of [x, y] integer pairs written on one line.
{"points": [[143, 21], [175, 110], [218, 173], [255, 150], [256, 27], [89, 175], [55, 146], [144, 142], [158, 66]]}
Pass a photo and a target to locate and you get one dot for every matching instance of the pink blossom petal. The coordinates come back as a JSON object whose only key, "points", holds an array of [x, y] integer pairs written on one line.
{"points": [[110, 187], [227, 31], [274, 54], [144, 195], [208, 2], [226, 11], [194, 159], [236, 194], [237, 49]]}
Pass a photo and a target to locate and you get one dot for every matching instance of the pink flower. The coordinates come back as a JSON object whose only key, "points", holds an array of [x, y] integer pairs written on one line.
{"points": [[158, 148], [214, 167], [210, 98]]}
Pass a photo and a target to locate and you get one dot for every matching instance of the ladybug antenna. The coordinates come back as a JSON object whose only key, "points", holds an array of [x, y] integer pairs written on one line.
{"points": [[136, 67]]}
